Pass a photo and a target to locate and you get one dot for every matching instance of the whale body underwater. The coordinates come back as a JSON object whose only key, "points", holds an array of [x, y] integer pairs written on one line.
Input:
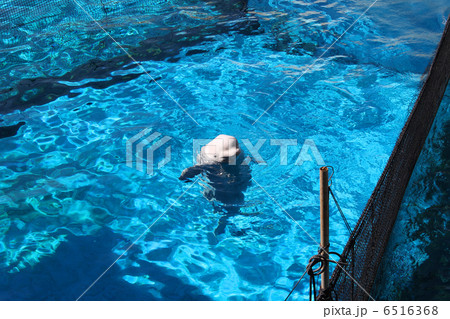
{"points": [[228, 175]]}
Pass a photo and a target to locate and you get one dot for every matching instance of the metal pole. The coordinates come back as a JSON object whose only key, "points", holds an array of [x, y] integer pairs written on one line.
{"points": [[324, 224]]}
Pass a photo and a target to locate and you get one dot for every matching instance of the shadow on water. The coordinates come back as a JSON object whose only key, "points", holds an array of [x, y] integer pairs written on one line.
{"points": [[78, 262], [226, 188], [427, 229], [8, 131], [42, 90], [431, 280]]}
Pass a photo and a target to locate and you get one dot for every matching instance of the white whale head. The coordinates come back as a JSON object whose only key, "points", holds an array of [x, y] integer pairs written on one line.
{"points": [[222, 149]]}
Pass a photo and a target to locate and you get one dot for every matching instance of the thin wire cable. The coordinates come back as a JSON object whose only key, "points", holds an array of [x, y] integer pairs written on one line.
{"points": [[340, 211], [296, 284], [331, 176], [314, 63], [139, 64], [129, 247], [285, 211]]}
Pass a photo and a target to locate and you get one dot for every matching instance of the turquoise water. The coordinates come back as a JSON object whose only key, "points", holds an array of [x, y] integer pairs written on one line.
{"points": [[69, 204]]}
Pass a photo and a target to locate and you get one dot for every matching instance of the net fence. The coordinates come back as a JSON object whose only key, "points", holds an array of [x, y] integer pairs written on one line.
{"points": [[33, 13], [22, 20], [367, 243]]}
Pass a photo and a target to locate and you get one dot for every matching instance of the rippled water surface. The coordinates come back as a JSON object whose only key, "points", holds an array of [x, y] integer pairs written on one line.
{"points": [[69, 204]]}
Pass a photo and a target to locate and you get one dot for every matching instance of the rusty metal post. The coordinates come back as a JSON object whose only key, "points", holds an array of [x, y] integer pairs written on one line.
{"points": [[324, 224]]}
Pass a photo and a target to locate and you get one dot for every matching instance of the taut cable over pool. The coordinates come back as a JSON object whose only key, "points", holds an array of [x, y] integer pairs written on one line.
{"points": [[364, 250]]}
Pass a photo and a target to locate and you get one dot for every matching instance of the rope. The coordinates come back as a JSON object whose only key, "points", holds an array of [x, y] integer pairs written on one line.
{"points": [[314, 260]]}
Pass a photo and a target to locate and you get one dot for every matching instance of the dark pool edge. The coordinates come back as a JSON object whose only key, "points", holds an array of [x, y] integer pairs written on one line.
{"points": [[401, 275]]}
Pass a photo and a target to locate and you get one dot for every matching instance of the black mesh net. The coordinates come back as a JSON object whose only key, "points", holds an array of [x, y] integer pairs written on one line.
{"points": [[366, 246], [22, 21]]}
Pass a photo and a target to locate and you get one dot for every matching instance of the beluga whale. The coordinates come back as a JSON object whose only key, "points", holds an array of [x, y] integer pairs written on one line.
{"points": [[228, 176]]}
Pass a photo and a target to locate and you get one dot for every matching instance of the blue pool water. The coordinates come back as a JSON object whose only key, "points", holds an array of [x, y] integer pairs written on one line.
{"points": [[69, 204]]}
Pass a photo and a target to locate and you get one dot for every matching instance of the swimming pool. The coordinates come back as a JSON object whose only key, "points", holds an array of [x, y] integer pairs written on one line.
{"points": [[71, 206]]}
